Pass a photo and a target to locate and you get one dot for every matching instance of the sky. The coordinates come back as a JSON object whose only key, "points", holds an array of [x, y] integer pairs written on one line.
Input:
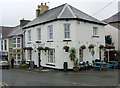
{"points": [[12, 11]]}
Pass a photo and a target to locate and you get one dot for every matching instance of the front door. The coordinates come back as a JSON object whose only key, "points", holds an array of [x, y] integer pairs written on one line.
{"points": [[39, 58]]}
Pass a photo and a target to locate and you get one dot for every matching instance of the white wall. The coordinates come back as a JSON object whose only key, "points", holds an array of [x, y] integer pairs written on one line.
{"points": [[81, 34]]}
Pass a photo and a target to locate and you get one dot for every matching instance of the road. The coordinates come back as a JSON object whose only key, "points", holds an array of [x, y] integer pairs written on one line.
{"points": [[17, 77]]}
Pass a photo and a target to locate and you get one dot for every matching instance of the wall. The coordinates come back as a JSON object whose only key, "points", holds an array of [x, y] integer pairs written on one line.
{"points": [[81, 33]]}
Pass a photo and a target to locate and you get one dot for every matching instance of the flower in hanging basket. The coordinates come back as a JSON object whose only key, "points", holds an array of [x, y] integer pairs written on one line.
{"points": [[66, 48], [91, 46], [40, 48], [83, 47], [101, 46]]}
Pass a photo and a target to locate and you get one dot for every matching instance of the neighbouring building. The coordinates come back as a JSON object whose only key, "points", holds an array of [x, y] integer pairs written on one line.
{"points": [[53, 32], [4, 47], [112, 30], [16, 42]]}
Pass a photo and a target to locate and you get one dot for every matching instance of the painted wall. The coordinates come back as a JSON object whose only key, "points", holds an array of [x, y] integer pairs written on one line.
{"points": [[80, 34]]}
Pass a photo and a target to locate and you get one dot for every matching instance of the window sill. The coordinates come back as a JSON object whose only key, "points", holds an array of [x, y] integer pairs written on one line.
{"points": [[38, 41], [50, 64], [50, 41], [67, 40], [95, 36], [28, 42]]}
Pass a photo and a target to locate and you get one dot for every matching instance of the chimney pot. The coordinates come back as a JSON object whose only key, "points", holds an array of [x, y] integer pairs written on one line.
{"points": [[45, 4], [41, 3]]}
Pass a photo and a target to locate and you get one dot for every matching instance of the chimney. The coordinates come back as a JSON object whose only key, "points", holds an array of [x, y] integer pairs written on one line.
{"points": [[41, 9], [24, 22]]}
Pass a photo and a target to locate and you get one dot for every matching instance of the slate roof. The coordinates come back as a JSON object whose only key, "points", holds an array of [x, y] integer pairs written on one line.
{"points": [[62, 12], [5, 31], [114, 18], [16, 31]]}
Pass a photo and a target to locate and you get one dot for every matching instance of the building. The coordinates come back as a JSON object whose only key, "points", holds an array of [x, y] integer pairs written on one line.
{"points": [[112, 29], [4, 47], [16, 42], [49, 36]]}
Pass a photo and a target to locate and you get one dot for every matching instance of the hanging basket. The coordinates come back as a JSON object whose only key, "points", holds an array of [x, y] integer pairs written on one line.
{"points": [[46, 48], [66, 48], [83, 47], [101, 47], [91, 46], [40, 48]]}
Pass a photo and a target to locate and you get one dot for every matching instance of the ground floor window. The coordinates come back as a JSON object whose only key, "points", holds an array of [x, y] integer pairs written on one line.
{"points": [[51, 56], [17, 58], [81, 55]]}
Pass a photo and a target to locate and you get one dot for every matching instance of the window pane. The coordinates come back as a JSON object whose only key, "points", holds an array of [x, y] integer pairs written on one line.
{"points": [[67, 30], [18, 40], [95, 30], [5, 44], [39, 34], [50, 32]]}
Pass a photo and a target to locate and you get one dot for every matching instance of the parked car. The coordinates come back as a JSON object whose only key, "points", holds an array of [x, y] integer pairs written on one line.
{"points": [[4, 63]]}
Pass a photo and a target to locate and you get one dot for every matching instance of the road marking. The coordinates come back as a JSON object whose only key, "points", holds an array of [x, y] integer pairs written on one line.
{"points": [[3, 85]]}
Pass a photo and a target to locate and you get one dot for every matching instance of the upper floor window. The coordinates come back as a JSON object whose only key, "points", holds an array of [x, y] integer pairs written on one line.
{"points": [[67, 30], [39, 33], [14, 42], [5, 43], [1, 45], [50, 28], [29, 35], [18, 43], [95, 31]]}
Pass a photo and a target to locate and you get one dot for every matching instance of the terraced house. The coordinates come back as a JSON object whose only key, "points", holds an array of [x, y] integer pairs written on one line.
{"points": [[53, 32], [4, 41], [16, 42]]}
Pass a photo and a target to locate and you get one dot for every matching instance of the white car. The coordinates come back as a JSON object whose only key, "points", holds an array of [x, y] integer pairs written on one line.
{"points": [[4, 63]]}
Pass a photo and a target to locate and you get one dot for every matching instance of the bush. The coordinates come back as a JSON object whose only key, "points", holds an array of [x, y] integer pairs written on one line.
{"points": [[23, 66]]}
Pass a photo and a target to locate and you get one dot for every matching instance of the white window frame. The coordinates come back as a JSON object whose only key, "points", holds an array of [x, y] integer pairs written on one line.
{"points": [[95, 31], [16, 59], [29, 35], [67, 31], [50, 32], [51, 58], [15, 42], [39, 33], [18, 43]]}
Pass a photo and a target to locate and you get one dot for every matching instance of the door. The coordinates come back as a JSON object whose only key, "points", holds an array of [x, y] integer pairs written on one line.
{"points": [[39, 58]]}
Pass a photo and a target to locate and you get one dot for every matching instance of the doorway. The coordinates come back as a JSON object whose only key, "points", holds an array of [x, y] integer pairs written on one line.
{"points": [[39, 58]]}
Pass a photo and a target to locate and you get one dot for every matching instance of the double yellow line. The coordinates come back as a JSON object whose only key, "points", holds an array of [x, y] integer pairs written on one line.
{"points": [[3, 85]]}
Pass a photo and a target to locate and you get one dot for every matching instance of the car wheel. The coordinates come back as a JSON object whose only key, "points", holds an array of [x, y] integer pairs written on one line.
{"points": [[7, 67]]}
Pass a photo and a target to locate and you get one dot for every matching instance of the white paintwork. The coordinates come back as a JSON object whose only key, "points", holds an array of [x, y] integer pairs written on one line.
{"points": [[110, 30], [80, 33]]}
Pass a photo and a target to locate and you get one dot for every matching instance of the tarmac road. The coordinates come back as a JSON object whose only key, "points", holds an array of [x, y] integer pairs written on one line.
{"points": [[17, 77]]}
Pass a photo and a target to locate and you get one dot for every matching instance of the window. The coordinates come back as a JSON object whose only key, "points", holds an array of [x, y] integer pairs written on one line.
{"points": [[5, 42], [67, 30], [14, 42], [18, 43], [50, 32], [81, 55], [0, 35], [29, 35], [39, 33], [1, 45], [51, 56], [17, 58], [95, 31]]}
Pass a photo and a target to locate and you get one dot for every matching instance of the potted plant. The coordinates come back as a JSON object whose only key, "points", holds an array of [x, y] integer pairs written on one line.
{"points": [[66, 48], [83, 47], [73, 58], [91, 46], [101, 46], [46, 48]]}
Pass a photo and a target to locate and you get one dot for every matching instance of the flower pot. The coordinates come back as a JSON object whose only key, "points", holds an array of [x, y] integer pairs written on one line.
{"points": [[75, 69]]}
